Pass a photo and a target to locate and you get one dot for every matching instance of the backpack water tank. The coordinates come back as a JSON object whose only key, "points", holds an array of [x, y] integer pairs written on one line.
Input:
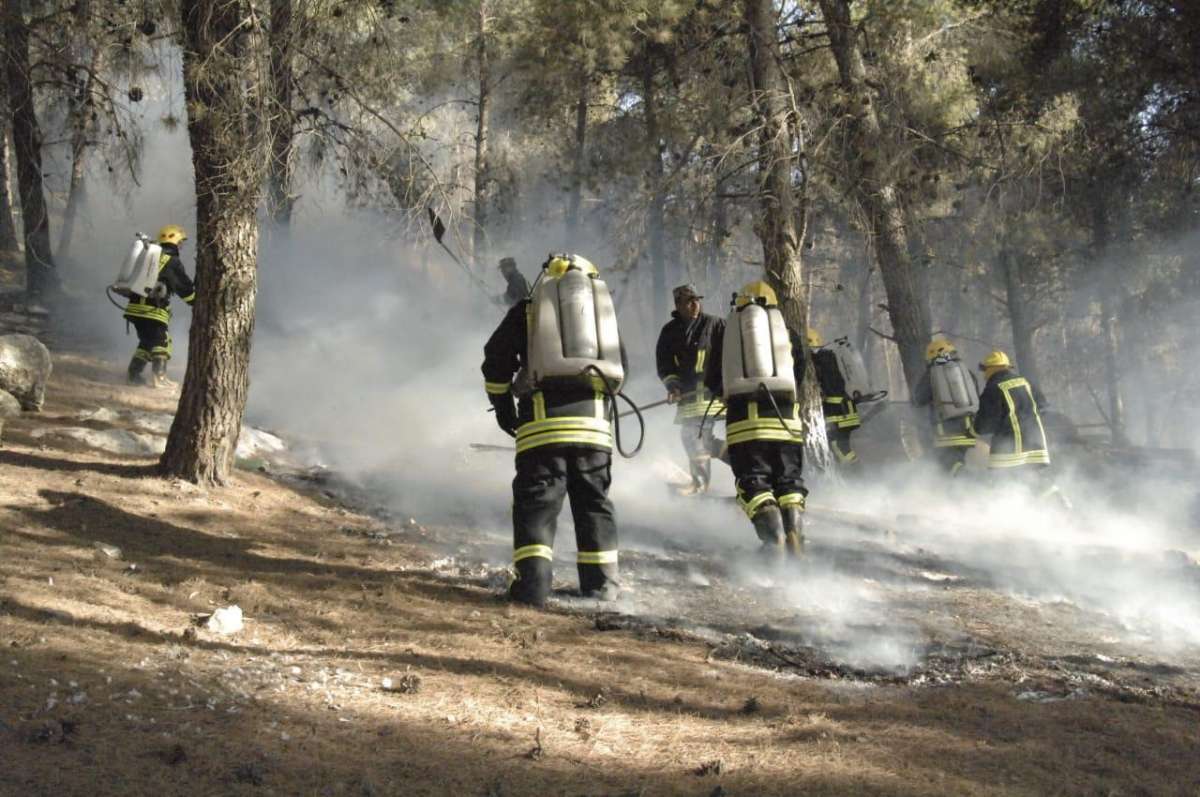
{"points": [[756, 352]]}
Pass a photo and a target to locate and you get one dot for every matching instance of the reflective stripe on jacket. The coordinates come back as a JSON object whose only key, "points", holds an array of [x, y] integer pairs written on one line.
{"points": [[1008, 411]]}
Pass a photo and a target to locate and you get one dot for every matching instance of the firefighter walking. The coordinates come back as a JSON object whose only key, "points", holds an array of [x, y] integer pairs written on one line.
{"points": [[151, 315], [550, 369], [841, 414], [681, 354], [948, 388], [757, 367], [1009, 413]]}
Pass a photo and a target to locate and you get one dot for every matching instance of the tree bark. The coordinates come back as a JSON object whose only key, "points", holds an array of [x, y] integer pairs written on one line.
{"points": [[41, 276], [9, 243], [82, 105], [655, 175], [878, 196], [1109, 324], [482, 177], [1023, 329], [280, 201], [580, 164], [229, 158]]}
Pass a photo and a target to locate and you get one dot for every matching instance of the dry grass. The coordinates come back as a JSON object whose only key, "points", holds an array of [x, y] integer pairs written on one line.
{"points": [[107, 686]]}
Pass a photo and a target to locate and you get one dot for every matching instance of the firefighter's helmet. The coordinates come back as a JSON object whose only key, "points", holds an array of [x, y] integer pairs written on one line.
{"points": [[559, 263], [813, 338], [939, 347], [996, 359], [752, 292], [172, 234]]}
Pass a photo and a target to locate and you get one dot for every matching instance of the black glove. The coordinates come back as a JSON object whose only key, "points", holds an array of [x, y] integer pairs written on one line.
{"points": [[506, 413]]}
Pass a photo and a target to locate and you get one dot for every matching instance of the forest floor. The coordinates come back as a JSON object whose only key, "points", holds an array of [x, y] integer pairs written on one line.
{"points": [[110, 684]]}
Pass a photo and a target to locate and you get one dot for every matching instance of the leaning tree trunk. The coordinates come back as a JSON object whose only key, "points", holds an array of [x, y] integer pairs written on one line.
{"points": [[579, 156], [1110, 302], [229, 159], [878, 196], [41, 276], [280, 201], [9, 243], [482, 176], [778, 219], [1023, 325], [655, 176]]}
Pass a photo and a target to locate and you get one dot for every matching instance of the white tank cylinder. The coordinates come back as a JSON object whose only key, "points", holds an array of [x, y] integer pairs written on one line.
{"points": [[756, 352], [954, 391], [577, 308], [138, 272]]}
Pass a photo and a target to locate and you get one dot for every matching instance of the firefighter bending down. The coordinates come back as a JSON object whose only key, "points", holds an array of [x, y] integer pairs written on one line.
{"points": [[758, 367], [151, 315], [681, 353], [564, 343], [948, 388], [841, 414], [1008, 411]]}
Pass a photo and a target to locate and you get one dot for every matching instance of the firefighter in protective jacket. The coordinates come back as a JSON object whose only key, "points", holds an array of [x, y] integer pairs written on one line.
{"points": [[564, 448], [841, 415], [1008, 411], [953, 437], [151, 315], [681, 354], [765, 438]]}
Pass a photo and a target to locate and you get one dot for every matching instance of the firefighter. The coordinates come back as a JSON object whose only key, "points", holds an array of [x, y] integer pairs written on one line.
{"points": [[151, 315], [517, 288], [1008, 411], [949, 389], [762, 418], [841, 415], [564, 439], [681, 353]]}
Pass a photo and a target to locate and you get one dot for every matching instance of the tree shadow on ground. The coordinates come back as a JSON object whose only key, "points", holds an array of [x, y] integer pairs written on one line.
{"points": [[127, 470]]}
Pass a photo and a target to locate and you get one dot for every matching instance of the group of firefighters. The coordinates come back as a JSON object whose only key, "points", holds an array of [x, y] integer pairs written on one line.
{"points": [[748, 367], [554, 366]]}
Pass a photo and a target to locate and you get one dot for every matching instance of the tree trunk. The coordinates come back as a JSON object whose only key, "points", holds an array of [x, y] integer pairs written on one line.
{"points": [[862, 327], [777, 224], [1109, 325], [82, 106], [580, 164], [230, 161], [41, 276], [1023, 329], [655, 174], [482, 177], [9, 243], [280, 201], [878, 196]]}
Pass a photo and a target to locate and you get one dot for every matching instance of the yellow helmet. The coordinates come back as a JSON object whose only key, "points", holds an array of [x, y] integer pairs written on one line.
{"points": [[813, 337], [939, 347], [172, 234], [753, 291], [996, 359], [560, 263]]}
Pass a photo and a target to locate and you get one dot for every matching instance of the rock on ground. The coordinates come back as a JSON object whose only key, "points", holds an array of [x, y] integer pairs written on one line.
{"points": [[24, 369], [9, 408]]}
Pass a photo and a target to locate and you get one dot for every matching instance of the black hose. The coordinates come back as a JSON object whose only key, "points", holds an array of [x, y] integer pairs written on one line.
{"points": [[791, 432], [109, 293], [704, 417], [612, 395]]}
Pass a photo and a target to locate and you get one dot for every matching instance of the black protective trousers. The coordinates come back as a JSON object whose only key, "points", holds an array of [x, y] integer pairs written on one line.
{"points": [[768, 471], [545, 476]]}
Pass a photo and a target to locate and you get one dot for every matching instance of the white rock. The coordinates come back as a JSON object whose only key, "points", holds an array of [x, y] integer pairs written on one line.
{"points": [[226, 620]]}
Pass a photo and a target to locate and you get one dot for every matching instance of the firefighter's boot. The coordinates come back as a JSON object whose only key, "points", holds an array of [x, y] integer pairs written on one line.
{"points": [[793, 528], [531, 583], [158, 367], [768, 524], [134, 374]]}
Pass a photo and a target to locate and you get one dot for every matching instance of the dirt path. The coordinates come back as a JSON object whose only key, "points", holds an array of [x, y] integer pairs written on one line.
{"points": [[107, 685]]}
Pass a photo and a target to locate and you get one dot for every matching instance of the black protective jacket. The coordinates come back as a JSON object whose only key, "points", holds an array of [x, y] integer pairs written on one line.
{"points": [[551, 417], [517, 290], [681, 355], [838, 407], [749, 418], [1009, 412]]}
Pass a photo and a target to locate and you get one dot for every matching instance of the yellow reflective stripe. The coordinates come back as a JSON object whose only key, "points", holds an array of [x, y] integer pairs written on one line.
{"points": [[568, 422], [669, 378], [765, 424], [191, 297], [752, 506], [141, 354], [763, 434], [792, 499], [496, 388], [1005, 387], [163, 259], [530, 551], [596, 557], [138, 310], [700, 355], [603, 441], [1041, 457], [598, 410], [539, 406], [960, 441]]}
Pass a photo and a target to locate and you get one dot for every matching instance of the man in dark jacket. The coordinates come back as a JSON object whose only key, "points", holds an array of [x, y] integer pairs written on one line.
{"points": [[841, 415], [681, 354], [564, 448], [766, 445], [517, 289], [1008, 411], [151, 315]]}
